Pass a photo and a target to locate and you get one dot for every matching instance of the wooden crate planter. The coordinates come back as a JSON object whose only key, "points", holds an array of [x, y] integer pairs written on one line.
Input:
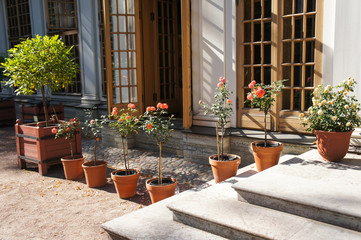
{"points": [[29, 111], [7, 112], [36, 144]]}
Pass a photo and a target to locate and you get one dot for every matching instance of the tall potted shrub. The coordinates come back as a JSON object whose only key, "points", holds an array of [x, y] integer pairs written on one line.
{"points": [[159, 126], [126, 124], [72, 164], [96, 170], [223, 165], [266, 153], [333, 117], [40, 63]]}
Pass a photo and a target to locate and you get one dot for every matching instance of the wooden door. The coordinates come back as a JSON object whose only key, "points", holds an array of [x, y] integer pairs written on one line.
{"points": [[162, 50]]}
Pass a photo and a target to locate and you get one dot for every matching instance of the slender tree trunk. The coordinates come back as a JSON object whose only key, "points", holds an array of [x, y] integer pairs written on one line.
{"points": [[71, 149], [124, 156], [126, 144], [44, 105], [265, 128], [95, 151], [217, 141], [160, 177], [222, 152]]}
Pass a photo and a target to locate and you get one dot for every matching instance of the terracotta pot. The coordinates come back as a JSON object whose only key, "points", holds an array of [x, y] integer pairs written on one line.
{"points": [[95, 175], [223, 170], [333, 146], [126, 185], [266, 157], [73, 167], [160, 192]]}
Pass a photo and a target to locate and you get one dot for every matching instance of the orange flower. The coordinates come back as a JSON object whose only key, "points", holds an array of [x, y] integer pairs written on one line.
{"points": [[114, 111], [149, 109], [127, 117], [152, 108], [131, 105], [220, 84], [229, 101], [67, 129], [159, 105], [120, 120], [54, 130], [97, 139], [149, 126], [92, 121], [71, 120], [164, 106], [249, 96], [222, 80], [260, 92]]}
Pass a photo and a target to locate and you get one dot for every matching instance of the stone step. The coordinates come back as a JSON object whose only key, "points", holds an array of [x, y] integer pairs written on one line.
{"points": [[309, 187]]}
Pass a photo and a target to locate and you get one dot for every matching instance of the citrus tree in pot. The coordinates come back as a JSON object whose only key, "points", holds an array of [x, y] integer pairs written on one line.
{"points": [[333, 117], [39, 63], [126, 124], [223, 165], [266, 153], [159, 126], [95, 171], [72, 164]]}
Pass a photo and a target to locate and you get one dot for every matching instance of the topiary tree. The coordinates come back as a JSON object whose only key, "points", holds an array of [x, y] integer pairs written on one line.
{"points": [[39, 62]]}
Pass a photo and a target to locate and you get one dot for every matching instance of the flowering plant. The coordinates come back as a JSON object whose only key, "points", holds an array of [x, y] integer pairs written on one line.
{"points": [[263, 97], [92, 128], [333, 109], [126, 124], [222, 108], [159, 127], [67, 129]]}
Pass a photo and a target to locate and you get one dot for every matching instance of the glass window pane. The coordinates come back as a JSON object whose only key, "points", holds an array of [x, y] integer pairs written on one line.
{"points": [[133, 94], [247, 76], [286, 74], [286, 99], [165, 10], [247, 54], [287, 52], [116, 95], [298, 27], [267, 31], [130, 7], [299, 6], [267, 75], [247, 32], [114, 41], [257, 74], [257, 9], [124, 78], [131, 44], [247, 9], [311, 5], [287, 28], [131, 24], [122, 41], [256, 54], [132, 77], [122, 24], [257, 32], [308, 99], [125, 95], [298, 52], [115, 59], [310, 51], [123, 60], [267, 8], [310, 31], [287, 7], [309, 76], [113, 24], [267, 53], [297, 94], [115, 74], [132, 60], [121, 6], [297, 76]]}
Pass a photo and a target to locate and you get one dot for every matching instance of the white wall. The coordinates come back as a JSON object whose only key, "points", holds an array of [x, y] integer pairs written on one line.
{"points": [[213, 50], [342, 45]]}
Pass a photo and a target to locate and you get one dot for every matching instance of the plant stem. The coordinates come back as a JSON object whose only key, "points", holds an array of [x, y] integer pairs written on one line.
{"points": [[44, 105], [222, 129], [125, 156], [95, 151], [265, 128], [71, 149], [160, 165], [126, 143], [217, 140]]}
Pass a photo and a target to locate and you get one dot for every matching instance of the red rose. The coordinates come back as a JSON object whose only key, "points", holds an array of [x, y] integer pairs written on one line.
{"points": [[152, 108], [260, 92], [127, 117], [149, 126], [251, 85], [222, 80], [229, 101], [220, 84], [71, 120], [67, 129], [159, 105], [249, 96], [97, 139], [165, 106], [92, 121], [253, 82], [131, 105], [54, 130]]}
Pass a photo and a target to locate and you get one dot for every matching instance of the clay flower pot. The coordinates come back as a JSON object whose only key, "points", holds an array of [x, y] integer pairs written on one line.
{"points": [[266, 157], [95, 174], [223, 170], [160, 192], [333, 146], [126, 185], [73, 167]]}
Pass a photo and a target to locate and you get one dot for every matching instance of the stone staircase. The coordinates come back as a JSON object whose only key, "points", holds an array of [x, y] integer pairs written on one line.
{"points": [[301, 198]]}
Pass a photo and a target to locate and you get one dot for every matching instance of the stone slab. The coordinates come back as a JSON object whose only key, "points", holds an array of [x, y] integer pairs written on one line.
{"points": [[309, 187]]}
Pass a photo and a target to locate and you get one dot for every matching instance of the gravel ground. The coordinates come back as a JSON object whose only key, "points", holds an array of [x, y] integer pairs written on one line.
{"points": [[51, 207]]}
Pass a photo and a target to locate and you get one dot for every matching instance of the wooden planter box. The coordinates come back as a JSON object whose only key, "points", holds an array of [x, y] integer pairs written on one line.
{"points": [[29, 111], [7, 112], [35, 143]]}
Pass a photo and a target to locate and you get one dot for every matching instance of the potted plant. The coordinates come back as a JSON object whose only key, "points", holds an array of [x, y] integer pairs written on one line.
{"points": [[39, 63], [266, 153], [126, 124], [333, 117], [95, 171], [159, 127], [72, 164], [223, 165]]}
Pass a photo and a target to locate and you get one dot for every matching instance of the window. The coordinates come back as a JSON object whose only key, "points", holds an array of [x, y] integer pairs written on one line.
{"points": [[102, 47], [18, 16], [279, 39], [62, 21]]}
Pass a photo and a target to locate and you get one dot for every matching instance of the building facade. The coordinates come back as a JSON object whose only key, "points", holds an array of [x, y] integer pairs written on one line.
{"points": [[174, 51]]}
